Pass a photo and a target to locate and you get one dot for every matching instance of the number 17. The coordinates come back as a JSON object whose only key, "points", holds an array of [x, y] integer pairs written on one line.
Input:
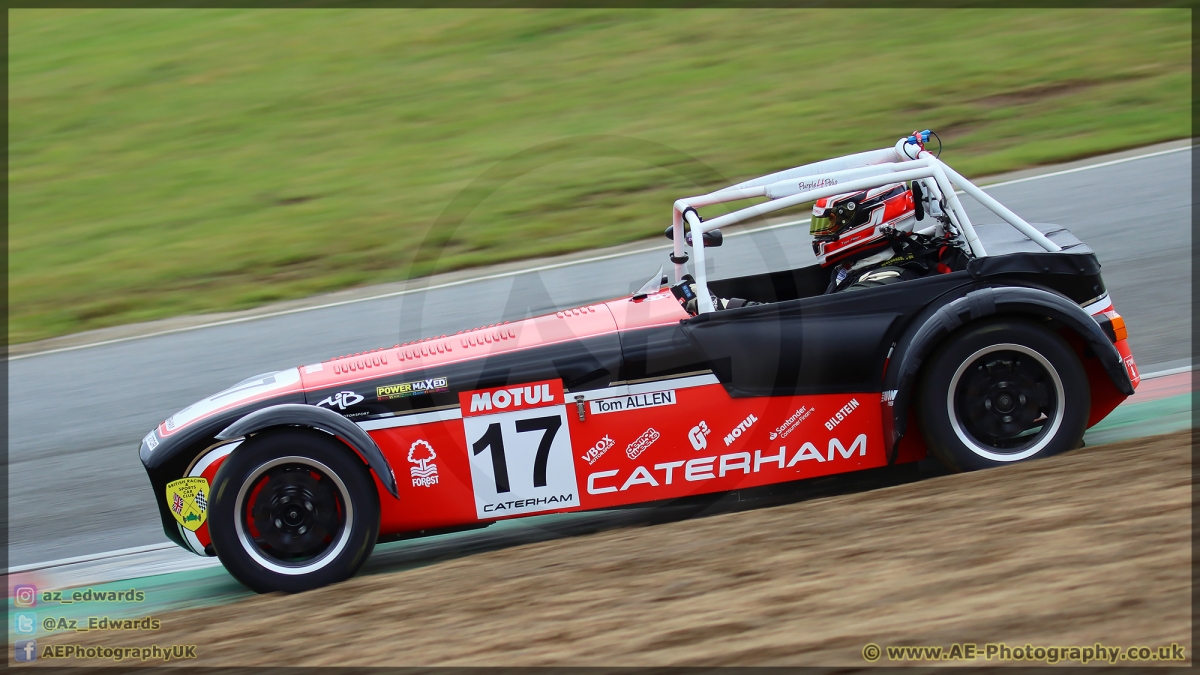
{"points": [[494, 439]]}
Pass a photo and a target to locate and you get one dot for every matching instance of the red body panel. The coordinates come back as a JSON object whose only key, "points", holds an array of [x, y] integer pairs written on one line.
{"points": [[634, 444], [663, 452], [1105, 395], [472, 344], [573, 324]]}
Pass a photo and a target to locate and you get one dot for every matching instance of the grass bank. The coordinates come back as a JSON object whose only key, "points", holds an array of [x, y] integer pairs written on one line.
{"points": [[165, 162]]}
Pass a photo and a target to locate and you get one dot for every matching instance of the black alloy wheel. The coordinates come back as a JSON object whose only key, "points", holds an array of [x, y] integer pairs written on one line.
{"points": [[293, 509], [1002, 391]]}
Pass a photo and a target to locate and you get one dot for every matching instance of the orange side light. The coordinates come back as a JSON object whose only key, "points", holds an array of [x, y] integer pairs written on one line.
{"points": [[1118, 326]]}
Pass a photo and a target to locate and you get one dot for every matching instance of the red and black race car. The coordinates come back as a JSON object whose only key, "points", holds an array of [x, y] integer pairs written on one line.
{"points": [[1006, 351]]}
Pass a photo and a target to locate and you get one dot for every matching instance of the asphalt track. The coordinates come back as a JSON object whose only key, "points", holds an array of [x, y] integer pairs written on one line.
{"points": [[77, 488]]}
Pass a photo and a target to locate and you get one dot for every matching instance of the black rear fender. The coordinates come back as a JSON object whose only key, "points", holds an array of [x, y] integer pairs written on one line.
{"points": [[938, 322]]}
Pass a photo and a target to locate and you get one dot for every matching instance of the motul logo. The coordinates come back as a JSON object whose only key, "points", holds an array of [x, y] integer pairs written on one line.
{"points": [[737, 431], [505, 399]]}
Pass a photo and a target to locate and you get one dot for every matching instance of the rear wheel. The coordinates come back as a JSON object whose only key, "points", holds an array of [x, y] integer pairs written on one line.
{"points": [[293, 509], [1002, 391]]}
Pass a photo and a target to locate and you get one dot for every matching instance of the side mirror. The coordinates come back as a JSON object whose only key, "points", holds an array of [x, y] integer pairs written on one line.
{"points": [[711, 239]]}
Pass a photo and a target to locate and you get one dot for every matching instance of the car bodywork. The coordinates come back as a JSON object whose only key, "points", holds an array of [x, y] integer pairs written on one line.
{"points": [[632, 400]]}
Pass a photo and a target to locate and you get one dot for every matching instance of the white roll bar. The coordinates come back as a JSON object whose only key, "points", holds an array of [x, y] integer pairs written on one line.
{"points": [[831, 177]]}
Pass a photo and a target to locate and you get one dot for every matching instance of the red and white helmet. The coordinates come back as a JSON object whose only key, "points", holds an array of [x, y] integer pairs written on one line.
{"points": [[850, 226]]}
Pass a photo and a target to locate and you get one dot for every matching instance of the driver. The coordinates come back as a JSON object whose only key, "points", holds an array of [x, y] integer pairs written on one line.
{"points": [[866, 239]]}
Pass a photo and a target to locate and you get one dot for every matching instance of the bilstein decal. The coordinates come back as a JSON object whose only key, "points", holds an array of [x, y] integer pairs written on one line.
{"points": [[841, 414]]}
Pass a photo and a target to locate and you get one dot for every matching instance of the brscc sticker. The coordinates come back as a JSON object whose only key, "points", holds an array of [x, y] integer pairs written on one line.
{"points": [[187, 498]]}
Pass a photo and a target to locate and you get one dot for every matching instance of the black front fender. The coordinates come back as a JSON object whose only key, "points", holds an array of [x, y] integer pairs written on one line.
{"points": [[924, 335], [296, 414]]}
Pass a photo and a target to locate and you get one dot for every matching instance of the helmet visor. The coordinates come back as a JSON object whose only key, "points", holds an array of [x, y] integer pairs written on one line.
{"points": [[821, 226]]}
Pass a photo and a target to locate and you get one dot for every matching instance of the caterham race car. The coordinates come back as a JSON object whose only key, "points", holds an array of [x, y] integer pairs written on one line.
{"points": [[974, 344]]}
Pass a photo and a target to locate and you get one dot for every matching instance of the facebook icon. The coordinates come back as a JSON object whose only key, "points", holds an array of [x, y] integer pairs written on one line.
{"points": [[26, 650]]}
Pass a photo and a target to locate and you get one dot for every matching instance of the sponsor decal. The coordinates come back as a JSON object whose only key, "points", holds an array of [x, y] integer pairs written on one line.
{"points": [[644, 441], [314, 368], [151, 440], [633, 402], [508, 399], [1132, 368], [841, 414], [698, 436], [709, 468], [342, 399], [402, 389], [188, 501], [889, 397], [597, 451], [521, 459], [739, 430], [789, 425], [424, 474], [532, 502], [805, 186]]}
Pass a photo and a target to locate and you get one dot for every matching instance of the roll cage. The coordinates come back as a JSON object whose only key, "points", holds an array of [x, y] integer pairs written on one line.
{"points": [[908, 160]]}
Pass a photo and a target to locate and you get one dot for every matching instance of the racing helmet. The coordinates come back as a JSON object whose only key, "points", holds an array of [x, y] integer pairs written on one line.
{"points": [[851, 226]]}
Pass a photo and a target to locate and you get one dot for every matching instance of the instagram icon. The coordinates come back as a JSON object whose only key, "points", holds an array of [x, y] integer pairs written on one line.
{"points": [[24, 595]]}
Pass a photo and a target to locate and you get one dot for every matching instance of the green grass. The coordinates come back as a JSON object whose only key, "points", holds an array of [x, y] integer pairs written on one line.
{"points": [[165, 162]]}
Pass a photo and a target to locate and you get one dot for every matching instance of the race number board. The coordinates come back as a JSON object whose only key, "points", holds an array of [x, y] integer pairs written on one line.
{"points": [[519, 445]]}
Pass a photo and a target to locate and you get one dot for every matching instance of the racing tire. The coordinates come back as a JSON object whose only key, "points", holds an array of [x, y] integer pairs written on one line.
{"points": [[293, 509], [1002, 391]]}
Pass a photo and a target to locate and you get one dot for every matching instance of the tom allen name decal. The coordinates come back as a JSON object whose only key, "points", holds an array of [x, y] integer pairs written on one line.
{"points": [[632, 402]]}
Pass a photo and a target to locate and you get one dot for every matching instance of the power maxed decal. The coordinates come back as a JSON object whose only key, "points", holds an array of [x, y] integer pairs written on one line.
{"points": [[429, 386]]}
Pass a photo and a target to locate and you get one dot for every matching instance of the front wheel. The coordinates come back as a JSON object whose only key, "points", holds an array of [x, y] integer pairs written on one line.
{"points": [[1002, 391], [293, 509]]}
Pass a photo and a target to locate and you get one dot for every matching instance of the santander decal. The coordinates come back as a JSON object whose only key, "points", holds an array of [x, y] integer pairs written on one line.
{"points": [[508, 399]]}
